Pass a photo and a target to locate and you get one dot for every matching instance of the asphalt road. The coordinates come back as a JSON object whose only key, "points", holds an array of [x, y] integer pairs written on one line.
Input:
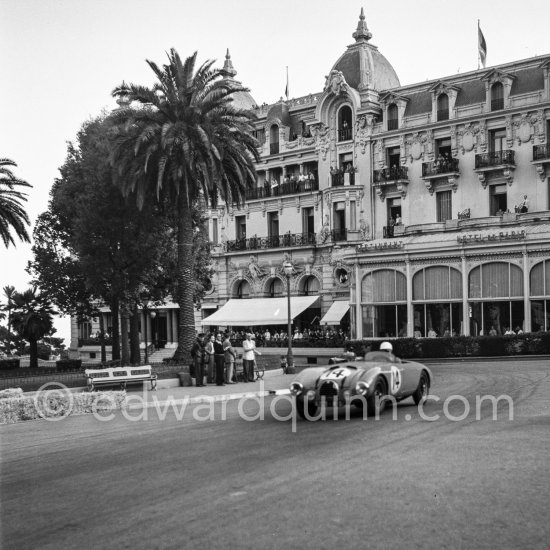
{"points": [[185, 483]]}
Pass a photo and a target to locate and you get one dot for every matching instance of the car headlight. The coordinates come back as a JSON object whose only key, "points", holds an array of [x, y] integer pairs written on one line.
{"points": [[310, 395], [296, 388], [362, 387]]}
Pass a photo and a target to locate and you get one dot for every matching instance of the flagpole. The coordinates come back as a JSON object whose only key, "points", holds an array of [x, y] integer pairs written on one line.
{"points": [[478, 44], [287, 83]]}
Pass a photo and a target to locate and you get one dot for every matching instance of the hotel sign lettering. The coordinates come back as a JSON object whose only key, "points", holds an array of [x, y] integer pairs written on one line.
{"points": [[389, 245], [501, 236]]}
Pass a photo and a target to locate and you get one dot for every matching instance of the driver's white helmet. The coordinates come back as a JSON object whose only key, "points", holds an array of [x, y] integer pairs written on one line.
{"points": [[386, 346]]}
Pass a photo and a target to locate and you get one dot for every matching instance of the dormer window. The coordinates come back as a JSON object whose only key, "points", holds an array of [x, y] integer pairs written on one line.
{"points": [[497, 96], [393, 117], [344, 123], [443, 107], [274, 139]]}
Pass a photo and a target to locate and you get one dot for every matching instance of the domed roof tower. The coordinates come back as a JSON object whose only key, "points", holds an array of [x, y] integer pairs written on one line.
{"points": [[241, 100], [363, 66]]}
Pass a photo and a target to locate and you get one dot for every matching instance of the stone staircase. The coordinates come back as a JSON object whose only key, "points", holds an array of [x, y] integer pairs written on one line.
{"points": [[159, 355]]}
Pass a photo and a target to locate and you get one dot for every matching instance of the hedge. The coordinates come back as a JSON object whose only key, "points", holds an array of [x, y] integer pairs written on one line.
{"points": [[57, 405], [535, 343], [68, 364], [9, 364]]}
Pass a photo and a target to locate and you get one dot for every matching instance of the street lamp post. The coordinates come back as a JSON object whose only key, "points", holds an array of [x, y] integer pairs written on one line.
{"points": [[288, 269]]}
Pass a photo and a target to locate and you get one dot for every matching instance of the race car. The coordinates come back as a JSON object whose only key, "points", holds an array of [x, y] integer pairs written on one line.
{"points": [[371, 382]]}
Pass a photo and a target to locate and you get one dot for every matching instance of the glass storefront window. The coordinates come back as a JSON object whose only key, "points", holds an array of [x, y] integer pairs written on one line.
{"points": [[493, 318], [540, 315], [384, 321], [443, 319]]}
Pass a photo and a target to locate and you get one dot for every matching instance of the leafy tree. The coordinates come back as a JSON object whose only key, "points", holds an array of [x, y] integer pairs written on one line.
{"points": [[32, 319], [183, 140], [12, 214]]}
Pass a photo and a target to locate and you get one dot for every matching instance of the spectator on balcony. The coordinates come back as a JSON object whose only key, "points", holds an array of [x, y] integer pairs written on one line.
{"points": [[274, 185], [311, 177], [391, 221], [524, 206], [286, 179], [398, 219], [394, 172], [446, 162]]}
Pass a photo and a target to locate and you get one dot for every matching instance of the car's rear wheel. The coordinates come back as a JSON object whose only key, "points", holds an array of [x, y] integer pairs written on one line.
{"points": [[307, 409], [423, 388], [376, 403]]}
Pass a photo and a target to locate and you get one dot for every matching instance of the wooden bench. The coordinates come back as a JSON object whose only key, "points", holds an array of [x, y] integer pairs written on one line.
{"points": [[120, 376]]}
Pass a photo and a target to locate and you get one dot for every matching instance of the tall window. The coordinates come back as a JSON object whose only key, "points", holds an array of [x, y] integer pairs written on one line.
{"points": [[240, 227], [339, 219], [308, 225], [393, 117], [275, 288], [393, 155], [443, 107], [443, 147], [310, 286], [497, 140], [215, 231], [344, 123], [394, 209], [444, 206], [273, 224], [498, 199], [497, 96], [84, 329], [243, 290], [352, 216], [274, 139], [540, 296]]}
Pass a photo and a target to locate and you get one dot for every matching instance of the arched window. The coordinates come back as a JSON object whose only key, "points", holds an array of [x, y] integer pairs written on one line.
{"points": [[496, 298], [443, 107], [497, 96], [539, 290], [440, 288], [275, 288], [384, 304], [274, 139], [310, 286], [243, 290], [393, 117], [345, 123]]}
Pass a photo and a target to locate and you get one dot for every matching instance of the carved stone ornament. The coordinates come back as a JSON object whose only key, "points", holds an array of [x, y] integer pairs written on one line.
{"points": [[524, 129], [254, 270], [363, 229], [363, 129], [321, 133], [336, 83], [468, 141], [324, 234]]}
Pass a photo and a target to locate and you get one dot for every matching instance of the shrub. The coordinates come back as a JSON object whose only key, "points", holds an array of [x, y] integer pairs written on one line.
{"points": [[9, 364], [68, 364], [11, 392]]}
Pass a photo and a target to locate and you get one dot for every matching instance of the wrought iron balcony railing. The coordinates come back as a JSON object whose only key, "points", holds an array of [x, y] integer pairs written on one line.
{"points": [[496, 158], [341, 178], [387, 175], [290, 188], [541, 152], [274, 241], [344, 134], [274, 148], [439, 167], [339, 234]]}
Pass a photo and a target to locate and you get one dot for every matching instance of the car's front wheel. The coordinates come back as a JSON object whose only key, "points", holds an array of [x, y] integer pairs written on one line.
{"points": [[376, 403], [307, 409], [423, 389]]}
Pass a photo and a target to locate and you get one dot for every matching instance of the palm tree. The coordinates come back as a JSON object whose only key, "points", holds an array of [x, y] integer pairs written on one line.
{"points": [[32, 319], [182, 140], [9, 294], [12, 213]]}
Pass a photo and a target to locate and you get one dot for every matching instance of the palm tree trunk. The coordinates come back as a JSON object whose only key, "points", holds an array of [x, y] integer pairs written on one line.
{"points": [[135, 358], [115, 354], [186, 321], [125, 355], [34, 353]]}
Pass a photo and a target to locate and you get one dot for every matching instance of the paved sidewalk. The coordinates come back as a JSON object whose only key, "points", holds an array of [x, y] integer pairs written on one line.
{"points": [[272, 384]]}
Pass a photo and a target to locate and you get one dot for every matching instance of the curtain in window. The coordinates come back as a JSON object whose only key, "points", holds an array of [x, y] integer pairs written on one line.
{"points": [[437, 283], [385, 285], [496, 280]]}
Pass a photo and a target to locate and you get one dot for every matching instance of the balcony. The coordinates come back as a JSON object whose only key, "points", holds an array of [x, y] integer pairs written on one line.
{"points": [[339, 234], [494, 162], [344, 134], [396, 176], [445, 167], [338, 178], [287, 240], [290, 188], [541, 157]]}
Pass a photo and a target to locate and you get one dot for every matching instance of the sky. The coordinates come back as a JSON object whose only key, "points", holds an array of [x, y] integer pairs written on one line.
{"points": [[60, 60]]}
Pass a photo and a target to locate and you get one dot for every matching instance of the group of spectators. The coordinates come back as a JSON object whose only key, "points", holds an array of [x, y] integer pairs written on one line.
{"points": [[214, 359], [265, 337]]}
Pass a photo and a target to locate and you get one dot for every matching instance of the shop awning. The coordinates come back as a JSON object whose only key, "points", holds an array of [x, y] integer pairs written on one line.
{"points": [[259, 311], [335, 313]]}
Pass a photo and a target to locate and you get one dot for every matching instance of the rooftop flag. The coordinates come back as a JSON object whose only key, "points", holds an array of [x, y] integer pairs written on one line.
{"points": [[481, 46], [286, 89]]}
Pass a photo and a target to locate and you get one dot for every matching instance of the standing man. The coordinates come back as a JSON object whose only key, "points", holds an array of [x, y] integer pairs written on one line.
{"points": [[198, 353], [229, 355], [219, 359], [250, 351]]}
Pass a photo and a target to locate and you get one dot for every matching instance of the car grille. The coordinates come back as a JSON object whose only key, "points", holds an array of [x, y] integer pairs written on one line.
{"points": [[328, 390]]}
